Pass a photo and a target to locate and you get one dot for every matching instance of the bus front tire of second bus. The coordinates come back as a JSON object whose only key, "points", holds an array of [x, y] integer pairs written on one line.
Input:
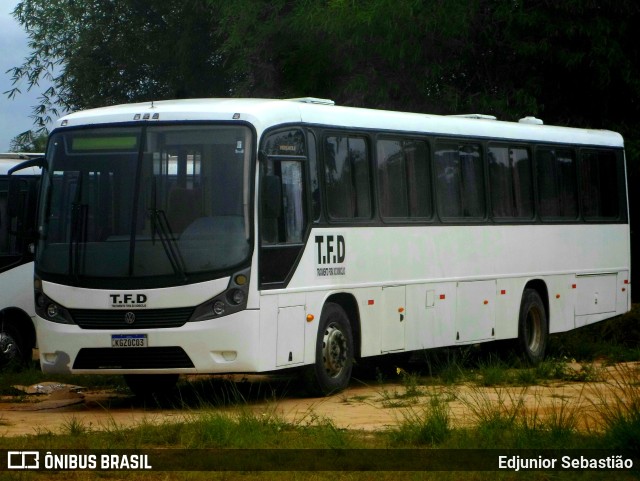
{"points": [[331, 372], [12, 347], [533, 327]]}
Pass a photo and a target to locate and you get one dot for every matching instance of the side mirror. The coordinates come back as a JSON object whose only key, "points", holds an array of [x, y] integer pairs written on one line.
{"points": [[14, 183], [40, 162], [271, 197]]}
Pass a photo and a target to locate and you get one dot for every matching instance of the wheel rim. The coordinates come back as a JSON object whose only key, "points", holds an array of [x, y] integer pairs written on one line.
{"points": [[8, 348], [533, 328], [334, 350]]}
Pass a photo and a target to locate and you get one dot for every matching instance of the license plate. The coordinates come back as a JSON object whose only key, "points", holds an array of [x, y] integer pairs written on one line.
{"points": [[128, 340]]}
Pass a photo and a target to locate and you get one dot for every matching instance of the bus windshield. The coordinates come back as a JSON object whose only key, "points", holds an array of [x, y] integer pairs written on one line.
{"points": [[165, 203]]}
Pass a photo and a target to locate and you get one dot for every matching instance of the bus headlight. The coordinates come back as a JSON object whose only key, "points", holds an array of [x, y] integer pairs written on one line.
{"points": [[236, 296], [49, 309], [219, 308], [41, 300], [52, 311], [232, 300]]}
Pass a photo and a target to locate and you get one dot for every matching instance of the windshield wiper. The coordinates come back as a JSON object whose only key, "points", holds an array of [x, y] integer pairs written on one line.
{"points": [[79, 214], [78, 230], [160, 225]]}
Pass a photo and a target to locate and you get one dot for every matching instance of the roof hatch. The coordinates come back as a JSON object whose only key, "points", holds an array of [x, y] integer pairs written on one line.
{"points": [[475, 116], [531, 120], [313, 100]]}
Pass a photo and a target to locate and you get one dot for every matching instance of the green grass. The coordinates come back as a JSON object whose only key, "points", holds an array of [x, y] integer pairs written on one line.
{"points": [[494, 364], [499, 422], [617, 340], [428, 425]]}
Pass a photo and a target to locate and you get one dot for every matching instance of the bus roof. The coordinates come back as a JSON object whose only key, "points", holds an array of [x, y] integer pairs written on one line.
{"points": [[12, 159], [265, 113]]}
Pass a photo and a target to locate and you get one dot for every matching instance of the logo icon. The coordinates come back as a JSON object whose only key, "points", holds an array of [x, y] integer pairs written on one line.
{"points": [[23, 460], [129, 318]]}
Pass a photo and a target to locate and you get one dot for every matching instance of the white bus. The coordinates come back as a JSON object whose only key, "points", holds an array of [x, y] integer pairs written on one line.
{"points": [[246, 236], [17, 217]]}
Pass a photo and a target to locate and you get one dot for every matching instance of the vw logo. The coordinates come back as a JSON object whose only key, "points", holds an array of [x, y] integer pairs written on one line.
{"points": [[129, 317]]}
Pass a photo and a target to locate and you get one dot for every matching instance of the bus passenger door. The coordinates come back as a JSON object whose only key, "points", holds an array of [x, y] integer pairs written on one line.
{"points": [[393, 318], [283, 210]]}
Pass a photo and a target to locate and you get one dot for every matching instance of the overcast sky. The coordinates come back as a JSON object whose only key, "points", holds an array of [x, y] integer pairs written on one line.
{"points": [[14, 114]]}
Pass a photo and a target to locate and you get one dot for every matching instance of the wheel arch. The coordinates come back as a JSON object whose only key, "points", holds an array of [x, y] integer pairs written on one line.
{"points": [[540, 287], [22, 322], [349, 303]]}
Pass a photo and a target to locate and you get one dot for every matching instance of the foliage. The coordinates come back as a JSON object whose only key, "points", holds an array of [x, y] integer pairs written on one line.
{"points": [[29, 141], [616, 339], [573, 61], [108, 52], [619, 409], [429, 426]]}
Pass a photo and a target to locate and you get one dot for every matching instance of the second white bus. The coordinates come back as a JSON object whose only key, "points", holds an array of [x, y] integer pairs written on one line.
{"points": [[17, 229]]}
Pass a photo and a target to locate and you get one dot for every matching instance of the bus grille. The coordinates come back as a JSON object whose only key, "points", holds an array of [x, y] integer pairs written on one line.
{"points": [[132, 358], [144, 318]]}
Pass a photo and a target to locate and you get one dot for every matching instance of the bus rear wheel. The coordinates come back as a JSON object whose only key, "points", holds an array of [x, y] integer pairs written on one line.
{"points": [[331, 371], [533, 329]]}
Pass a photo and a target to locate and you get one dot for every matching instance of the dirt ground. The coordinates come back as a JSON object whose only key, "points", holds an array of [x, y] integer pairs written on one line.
{"points": [[368, 406]]}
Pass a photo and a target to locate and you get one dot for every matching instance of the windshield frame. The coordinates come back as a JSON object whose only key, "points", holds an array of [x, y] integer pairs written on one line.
{"points": [[155, 281]]}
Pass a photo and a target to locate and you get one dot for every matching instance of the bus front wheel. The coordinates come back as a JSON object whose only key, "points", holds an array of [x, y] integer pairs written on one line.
{"points": [[533, 327], [12, 347], [331, 371]]}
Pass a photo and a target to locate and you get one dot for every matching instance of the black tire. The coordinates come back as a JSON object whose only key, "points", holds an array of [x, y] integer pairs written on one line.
{"points": [[331, 371], [533, 327], [13, 351], [148, 385]]}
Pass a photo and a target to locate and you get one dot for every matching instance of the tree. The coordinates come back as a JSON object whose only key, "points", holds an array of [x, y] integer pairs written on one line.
{"points": [[29, 141], [572, 62], [110, 52]]}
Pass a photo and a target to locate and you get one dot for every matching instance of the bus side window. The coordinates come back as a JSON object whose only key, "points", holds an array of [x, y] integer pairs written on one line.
{"points": [[511, 182], [599, 175], [347, 178], [282, 203], [403, 179], [556, 171], [459, 180]]}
